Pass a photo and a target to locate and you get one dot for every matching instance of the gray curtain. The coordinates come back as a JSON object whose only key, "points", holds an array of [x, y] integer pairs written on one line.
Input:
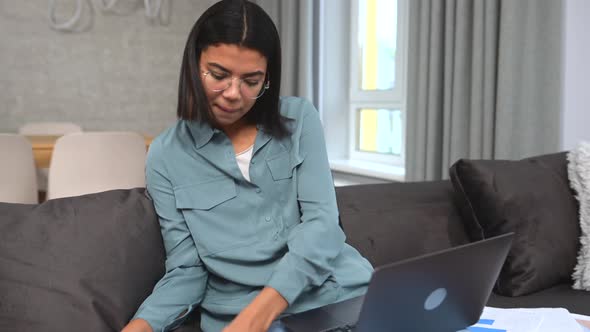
{"points": [[483, 82], [298, 25]]}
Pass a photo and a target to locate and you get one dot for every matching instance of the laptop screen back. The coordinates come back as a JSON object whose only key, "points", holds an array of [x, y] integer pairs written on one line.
{"points": [[443, 291]]}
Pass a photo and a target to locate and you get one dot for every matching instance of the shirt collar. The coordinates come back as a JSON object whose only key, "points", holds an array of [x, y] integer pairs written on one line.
{"points": [[202, 132]]}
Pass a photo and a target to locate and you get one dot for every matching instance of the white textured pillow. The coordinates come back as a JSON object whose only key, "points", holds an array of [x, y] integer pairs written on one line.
{"points": [[579, 176]]}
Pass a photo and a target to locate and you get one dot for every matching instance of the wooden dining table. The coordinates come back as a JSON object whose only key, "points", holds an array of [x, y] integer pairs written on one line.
{"points": [[43, 148]]}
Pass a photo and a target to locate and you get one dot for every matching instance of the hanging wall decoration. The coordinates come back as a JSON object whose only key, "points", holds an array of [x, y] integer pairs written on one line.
{"points": [[156, 11]]}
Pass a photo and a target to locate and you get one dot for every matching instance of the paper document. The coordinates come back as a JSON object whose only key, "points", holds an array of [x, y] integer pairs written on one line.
{"points": [[507, 320], [584, 320], [526, 320]]}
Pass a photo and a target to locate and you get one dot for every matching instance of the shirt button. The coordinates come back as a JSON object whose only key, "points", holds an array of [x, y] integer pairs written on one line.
{"points": [[258, 190], [267, 218]]}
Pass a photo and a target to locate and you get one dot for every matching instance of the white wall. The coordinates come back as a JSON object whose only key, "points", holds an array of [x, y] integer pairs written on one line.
{"points": [[121, 74], [575, 124]]}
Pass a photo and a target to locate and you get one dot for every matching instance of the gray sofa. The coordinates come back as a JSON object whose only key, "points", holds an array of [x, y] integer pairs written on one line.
{"points": [[390, 222], [86, 263]]}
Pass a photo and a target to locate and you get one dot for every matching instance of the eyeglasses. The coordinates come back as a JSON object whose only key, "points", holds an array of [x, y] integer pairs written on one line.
{"points": [[252, 88]]}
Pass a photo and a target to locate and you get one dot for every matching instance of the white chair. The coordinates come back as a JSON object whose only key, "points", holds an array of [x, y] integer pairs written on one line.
{"points": [[18, 180], [49, 128], [90, 162]]}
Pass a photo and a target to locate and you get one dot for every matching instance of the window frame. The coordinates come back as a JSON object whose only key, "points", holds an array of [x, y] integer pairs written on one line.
{"points": [[377, 99]]}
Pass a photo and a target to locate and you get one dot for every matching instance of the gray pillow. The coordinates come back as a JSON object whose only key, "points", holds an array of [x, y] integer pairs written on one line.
{"points": [[532, 198], [78, 264]]}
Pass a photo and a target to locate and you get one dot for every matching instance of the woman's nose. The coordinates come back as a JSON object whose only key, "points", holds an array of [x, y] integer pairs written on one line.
{"points": [[233, 91]]}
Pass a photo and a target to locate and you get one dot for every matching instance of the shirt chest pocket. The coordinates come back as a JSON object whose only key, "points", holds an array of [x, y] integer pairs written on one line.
{"points": [[205, 196], [284, 182], [212, 214], [283, 165]]}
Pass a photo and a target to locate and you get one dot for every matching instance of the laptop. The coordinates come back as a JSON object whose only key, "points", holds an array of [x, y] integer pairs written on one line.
{"points": [[444, 291]]}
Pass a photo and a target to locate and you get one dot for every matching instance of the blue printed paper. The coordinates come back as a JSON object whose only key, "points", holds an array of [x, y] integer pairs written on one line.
{"points": [[526, 320]]}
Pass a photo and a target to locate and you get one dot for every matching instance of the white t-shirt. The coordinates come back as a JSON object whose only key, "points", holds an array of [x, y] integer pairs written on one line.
{"points": [[243, 158]]}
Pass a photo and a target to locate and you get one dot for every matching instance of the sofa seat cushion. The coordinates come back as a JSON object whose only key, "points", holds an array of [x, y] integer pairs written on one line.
{"points": [[393, 221], [558, 296], [79, 263], [532, 198]]}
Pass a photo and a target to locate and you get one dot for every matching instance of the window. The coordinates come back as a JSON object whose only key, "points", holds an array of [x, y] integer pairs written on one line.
{"points": [[377, 81], [362, 61]]}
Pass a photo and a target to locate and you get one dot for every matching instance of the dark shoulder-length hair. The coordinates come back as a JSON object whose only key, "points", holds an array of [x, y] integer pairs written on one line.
{"points": [[241, 23]]}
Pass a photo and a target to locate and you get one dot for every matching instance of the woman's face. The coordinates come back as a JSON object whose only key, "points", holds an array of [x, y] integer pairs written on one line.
{"points": [[246, 70]]}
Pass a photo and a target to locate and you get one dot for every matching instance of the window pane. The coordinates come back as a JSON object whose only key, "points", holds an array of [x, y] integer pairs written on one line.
{"points": [[377, 43], [380, 131]]}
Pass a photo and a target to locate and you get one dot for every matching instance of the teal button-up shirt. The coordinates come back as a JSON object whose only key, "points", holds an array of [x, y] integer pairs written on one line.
{"points": [[226, 238]]}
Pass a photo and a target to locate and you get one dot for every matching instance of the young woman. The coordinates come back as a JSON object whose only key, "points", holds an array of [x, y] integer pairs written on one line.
{"points": [[243, 189]]}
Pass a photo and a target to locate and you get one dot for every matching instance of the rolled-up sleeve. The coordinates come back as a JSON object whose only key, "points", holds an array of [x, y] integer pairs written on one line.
{"points": [[317, 240], [183, 285]]}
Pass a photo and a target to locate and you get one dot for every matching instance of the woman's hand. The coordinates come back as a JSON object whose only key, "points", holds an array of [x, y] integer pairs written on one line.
{"points": [[260, 313], [137, 325]]}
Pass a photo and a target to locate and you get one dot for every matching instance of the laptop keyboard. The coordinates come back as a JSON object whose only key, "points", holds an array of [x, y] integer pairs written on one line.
{"points": [[345, 328]]}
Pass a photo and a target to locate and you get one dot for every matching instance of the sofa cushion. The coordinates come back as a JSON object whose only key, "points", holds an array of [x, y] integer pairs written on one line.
{"points": [[532, 198], [393, 221], [558, 296], [79, 263]]}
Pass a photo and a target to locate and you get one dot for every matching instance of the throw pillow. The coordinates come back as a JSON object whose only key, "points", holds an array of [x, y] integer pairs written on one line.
{"points": [[579, 175], [532, 198], [79, 263]]}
